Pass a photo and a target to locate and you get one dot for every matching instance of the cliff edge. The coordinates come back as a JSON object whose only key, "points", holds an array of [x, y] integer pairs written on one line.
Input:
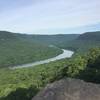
{"points": [[69, 89]]}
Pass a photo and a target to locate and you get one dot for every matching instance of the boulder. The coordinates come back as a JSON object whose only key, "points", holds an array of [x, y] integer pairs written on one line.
{"points": [[69, 89]]}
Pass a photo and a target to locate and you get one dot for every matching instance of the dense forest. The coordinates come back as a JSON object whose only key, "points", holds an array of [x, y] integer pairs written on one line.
{"points": [[71, 41], [17, 49], [23, 84], [84, 42]]}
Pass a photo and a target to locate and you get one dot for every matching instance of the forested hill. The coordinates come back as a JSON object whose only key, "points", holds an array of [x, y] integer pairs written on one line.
{"points": [[84, 42], [48, 39], [20, 49], [93, 36], [55, 39], [4, 35]]}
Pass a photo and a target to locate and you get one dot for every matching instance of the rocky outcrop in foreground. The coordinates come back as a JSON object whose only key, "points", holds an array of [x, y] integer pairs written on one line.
{"points": [[70, 89]]}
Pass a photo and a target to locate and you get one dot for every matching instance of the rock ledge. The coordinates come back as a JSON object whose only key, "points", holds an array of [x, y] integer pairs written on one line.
{"points": [[70, 89]]}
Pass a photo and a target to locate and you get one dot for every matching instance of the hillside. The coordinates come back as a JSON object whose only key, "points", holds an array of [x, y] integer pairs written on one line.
{"points": [[59, 40], [84, 42], [90, 36], [19, 49], [71, 41]]}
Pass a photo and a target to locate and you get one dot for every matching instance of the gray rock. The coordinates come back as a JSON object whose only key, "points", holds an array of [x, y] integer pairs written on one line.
{"points": [[70, 89]]}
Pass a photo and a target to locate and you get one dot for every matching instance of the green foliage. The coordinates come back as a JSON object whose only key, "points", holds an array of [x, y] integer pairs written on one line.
{"points": [[86, 67], [75, 66], [92, 71], [21, 94], [13, 83], [93, 57]]}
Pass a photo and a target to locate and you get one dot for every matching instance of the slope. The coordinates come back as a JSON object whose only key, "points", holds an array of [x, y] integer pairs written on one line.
{"points": [[18, 49], [84, 42]]}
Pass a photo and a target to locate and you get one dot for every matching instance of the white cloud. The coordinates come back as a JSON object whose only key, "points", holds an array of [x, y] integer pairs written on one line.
{"points": [[51, 14]]}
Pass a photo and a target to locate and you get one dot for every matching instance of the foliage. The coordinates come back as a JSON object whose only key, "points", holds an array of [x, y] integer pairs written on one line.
{"points": [[11, 81], [92, 71], [75, 66], [21, 94], [93, 57], [87, 67]]}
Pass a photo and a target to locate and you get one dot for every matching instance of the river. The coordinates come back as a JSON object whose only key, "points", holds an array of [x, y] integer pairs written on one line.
{"points": [[65, 54]]}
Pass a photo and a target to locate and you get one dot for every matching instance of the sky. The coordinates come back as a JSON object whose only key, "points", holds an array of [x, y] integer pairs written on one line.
{"points": [[50, 16]]}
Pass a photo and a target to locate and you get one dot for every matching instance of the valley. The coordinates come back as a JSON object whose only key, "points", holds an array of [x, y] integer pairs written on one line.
{"points": [[21, 49], [49, 50]]}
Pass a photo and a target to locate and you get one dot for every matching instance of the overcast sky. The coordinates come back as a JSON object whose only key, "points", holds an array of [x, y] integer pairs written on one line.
{"points": [[50, 16]]}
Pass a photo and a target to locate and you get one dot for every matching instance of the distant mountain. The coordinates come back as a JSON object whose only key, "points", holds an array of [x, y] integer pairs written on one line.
{"points": [[85, 41], [55, 38], [7, 35], [59, 40], [92, 36]]}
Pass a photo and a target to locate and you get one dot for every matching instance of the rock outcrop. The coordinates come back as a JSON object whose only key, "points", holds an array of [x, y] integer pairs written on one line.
{"points": [[70, 89]]}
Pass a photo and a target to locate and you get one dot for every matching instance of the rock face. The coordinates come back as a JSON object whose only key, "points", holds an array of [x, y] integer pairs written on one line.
{"points": [[70, 89]]}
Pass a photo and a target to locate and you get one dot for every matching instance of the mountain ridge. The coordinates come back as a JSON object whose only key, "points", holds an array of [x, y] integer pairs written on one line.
{"points": [[90, 36]]}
